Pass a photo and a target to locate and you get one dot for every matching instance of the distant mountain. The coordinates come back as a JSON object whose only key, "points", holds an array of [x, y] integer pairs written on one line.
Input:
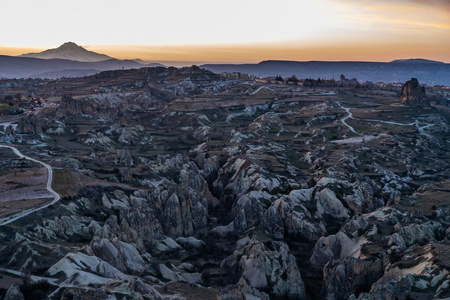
{"points": [[416, 61], [140, 61], [70, 51], [28, 67], [396, 71]]}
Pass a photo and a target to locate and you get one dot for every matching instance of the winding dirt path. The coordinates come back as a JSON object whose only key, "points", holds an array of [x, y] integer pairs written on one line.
{"points": [[421, 129], [49, 187], [349, 115]]}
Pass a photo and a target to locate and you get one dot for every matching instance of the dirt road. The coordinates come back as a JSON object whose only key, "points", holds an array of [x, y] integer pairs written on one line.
{"points": [[49, 187]]}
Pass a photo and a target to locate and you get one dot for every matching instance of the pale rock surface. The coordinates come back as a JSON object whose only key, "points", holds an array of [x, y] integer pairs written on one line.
{"points": [[190, 242], [82, 269], [332, 247], [262, 267], [329, 204], [13, 293]]}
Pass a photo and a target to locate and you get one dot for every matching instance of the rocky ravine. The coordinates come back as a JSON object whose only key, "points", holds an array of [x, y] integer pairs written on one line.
{"points": [[228, 189]]}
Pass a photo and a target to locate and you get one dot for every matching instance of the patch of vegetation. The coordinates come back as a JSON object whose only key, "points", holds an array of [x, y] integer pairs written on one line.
{"points": [[17, 185]]}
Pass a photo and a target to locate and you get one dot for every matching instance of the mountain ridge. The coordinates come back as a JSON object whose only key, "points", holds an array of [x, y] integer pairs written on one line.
{"points": [[417, 60], [402, 60], [69, 60], [29, 67]]}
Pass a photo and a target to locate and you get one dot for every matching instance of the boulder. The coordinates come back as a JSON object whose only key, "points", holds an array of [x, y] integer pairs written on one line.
{"points": [[351, 276], [332, 247], [298, 222], [120, 255], [265, 267], [395, 242], [170, 275], [419, 233], [361, 200], [168, 244], [191, 242], [329, 204], [103, 249], [82, 269]]}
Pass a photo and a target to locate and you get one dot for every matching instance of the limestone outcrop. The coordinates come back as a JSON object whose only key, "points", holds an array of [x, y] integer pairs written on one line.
{"points": [[413, 93], [30, 124], [264, 268]]}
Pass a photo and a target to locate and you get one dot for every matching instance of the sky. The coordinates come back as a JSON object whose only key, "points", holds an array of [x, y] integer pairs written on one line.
{"points": [[232, 31]]}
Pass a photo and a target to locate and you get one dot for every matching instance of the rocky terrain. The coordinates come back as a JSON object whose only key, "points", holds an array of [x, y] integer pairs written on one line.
{"points": [[181, 184]]}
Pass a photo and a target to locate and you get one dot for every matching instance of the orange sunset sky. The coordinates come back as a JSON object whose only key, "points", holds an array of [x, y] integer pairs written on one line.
{"points": [[232, 31]]}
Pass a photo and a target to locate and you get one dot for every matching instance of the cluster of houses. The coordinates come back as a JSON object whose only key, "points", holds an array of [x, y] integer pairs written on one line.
{"points": [[10, 105], [237, 75], [445, 90]]}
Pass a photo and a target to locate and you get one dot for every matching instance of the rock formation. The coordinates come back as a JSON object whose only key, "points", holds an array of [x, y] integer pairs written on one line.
{"points": [[264, 268], [14, 293], [124, 157], [414, 94], [29, 125]]}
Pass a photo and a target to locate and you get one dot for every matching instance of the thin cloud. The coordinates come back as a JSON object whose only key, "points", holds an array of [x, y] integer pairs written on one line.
{"points": [[412, 14], [443, 5]]}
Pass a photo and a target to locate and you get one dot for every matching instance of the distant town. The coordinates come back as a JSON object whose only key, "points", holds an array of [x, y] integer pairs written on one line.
{"points": [[343, 82]]}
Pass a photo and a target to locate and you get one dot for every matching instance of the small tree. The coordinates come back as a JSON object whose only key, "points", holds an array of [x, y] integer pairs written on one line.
{"points": [[4, 107], [9, 100], [293, 79], [278, 78]]}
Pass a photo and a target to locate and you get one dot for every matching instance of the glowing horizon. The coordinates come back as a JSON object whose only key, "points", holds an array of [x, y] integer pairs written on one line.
{"points": [[257, 53], [234, 31]]}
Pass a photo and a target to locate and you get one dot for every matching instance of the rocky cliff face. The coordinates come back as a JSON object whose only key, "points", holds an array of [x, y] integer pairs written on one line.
{"points": [[30, 124], [98, 107], [413, 93]]}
